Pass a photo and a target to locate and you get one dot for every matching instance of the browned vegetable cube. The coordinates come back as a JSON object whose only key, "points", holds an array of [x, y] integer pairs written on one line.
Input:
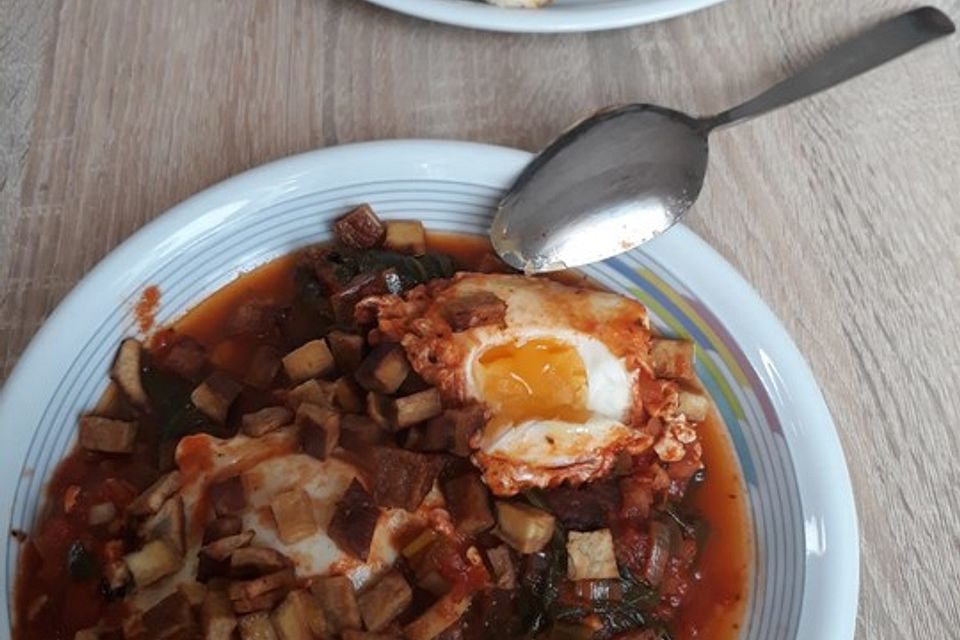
{"points": [[247, 562], [299, 617], [293, 512], [216, 616], [155, 560], [384, 369], [444, 613], [247, 589], [414, 408], [221, 528], [347, 350], [475, 309], [215, 395], [256, 626], [359, 433], [113, 404], [156, 494], [339, 603], [503, 568], [311, 360], [590, 555], [694, 405], [468, 501], [319, 392], [262, 602], [265, 420], [525, 528], [453, 429], [221, 548], [406, 236], [194, 592], [167, 524], [106, 435], [319, 430], [228, 497], [263, 367], [359, 229], [101, 513], [354, 521], [356, 634], [169, 619], [126, 372], [186, 357], [378, 408], [383, 602], [402, 478], [672, 359], [348, 395], [344, 302]]}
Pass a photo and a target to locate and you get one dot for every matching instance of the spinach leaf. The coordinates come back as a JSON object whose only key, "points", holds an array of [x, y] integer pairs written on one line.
{"points": [[170, 401], [80, 562]]}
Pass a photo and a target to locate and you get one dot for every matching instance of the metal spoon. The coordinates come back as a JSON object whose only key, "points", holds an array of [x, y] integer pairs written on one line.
{"points": [[627, 174]]}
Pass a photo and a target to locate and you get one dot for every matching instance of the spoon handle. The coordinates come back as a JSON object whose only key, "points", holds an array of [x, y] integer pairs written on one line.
{"points": [[880, 44]]}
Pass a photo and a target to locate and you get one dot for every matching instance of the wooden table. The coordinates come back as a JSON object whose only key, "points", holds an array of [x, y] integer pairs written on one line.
{"points": [[840, 210]]}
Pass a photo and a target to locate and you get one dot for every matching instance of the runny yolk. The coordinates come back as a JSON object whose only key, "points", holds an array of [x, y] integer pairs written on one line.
{"points": [[540, 379]]}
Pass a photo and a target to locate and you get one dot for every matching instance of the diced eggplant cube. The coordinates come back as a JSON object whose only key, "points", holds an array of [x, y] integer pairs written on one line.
{"points": [[126, 372], [263, 367], [156, 494], [443, 614], [384, 369], [263, 602], [169, 619], [415, 408], [363, 285], [406, 236], [299, 617], [348, 395], [222, 527], [354, 521], [504, 570], [157, 559], [187, 358], [106, 435], [265, 420], [359, 229], [347, 349], [319, 430], [221, 548], [311, 360], [525, 528], [402, 478], [194, 592], [293, 513], [214, 396], [248, 562], [694, 405], [217, 619], [227, 497], [383, 602], [379, 408], [481, 308], [167, 524], [590, 555], [256, 626], [113, 404], [672, 359], [339, 603], [247, 589], [453, 429], [468, 502], [359, 433], [319, 392]]}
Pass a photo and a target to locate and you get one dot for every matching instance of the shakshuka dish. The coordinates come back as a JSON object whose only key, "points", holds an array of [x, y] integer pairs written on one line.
{"points": [[394, 436]]}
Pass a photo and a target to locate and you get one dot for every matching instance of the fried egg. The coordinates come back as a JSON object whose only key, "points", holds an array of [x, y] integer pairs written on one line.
{"points": [[557, 369]]}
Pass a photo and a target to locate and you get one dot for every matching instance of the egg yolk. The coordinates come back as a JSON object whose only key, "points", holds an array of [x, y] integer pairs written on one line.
{"points": [[535, 380]]}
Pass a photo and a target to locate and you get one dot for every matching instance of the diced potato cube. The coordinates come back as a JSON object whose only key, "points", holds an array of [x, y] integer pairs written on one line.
{"points": [[216, 616], [414, 408], [476, 309], [106, 435], [694, 405], [247, 589], [126, 372], [256, 626], [359, 433], [383, 602], [319, 392], [156, 494], [263, 367], [444, 612], [384, 369], [319, 430], [503, 569], [293, 512], [453, 429], [590, 555], [359, 229], [265, 420], [525, 528], [299, 617], [155, 560], [214, 396], [348, 395], [311, 360], [406, 236], [402, 478], [347, 349], [468, 501], [339, 603], [167, 524], [221, 528], [672, 359]]}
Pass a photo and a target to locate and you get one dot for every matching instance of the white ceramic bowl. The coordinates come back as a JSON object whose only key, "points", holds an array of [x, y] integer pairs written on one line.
{"points": [[562, 16], [805, 577]]}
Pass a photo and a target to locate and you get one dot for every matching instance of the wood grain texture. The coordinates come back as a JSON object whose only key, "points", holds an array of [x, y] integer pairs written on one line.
{"points": [[840, 210]]}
